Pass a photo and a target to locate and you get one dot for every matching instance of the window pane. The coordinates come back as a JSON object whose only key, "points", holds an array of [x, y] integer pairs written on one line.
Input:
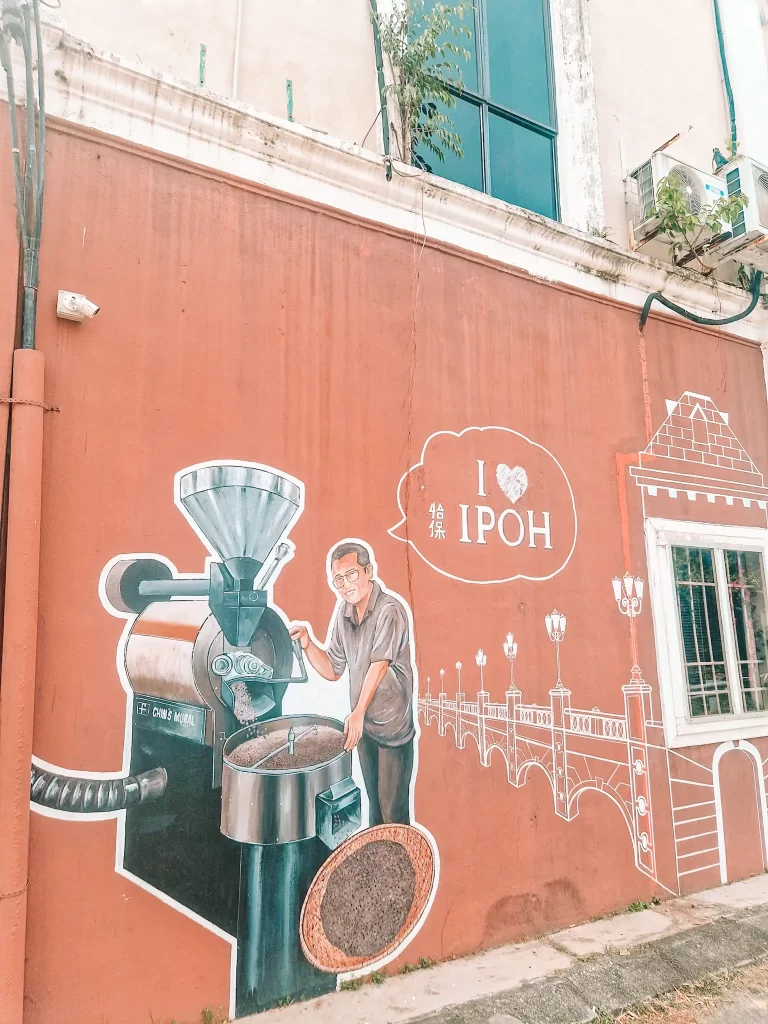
{"points": [[680, 562], [468, 67], [466, 170], [517, 56], [747, 592], [522, 166], [701, 631]]}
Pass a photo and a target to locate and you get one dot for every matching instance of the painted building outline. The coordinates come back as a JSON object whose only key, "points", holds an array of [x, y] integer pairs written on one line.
{"points": [[694, 454]]}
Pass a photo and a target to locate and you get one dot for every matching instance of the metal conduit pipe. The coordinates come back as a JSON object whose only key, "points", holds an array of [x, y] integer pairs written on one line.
{"points": [[694, 317], [726, 77], [91, 796], [382, 87]]}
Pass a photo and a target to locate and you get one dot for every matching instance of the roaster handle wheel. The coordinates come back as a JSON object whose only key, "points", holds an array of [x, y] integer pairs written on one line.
{"points": [[126, 576]]}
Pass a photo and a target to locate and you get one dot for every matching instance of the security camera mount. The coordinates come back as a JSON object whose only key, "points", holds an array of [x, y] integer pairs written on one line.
{"points": [[74, 306]]}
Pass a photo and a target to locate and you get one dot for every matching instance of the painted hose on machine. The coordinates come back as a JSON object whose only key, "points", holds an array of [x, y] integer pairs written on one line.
{"points": [[89, 796]]}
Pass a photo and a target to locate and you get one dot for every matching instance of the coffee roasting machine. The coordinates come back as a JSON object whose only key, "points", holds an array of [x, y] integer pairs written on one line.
{"points": [[209, 661]]}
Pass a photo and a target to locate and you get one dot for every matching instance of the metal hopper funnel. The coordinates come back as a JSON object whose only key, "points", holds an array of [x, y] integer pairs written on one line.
{"points": [[242, 511]]}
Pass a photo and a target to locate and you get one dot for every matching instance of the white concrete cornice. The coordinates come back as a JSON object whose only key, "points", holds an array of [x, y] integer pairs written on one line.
{"points": [[95, 90]]}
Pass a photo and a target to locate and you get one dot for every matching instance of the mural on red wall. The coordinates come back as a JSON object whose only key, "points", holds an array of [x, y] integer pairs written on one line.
{"points": [[243, 805]]}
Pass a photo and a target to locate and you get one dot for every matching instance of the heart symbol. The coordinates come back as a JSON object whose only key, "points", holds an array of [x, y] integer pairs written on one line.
{"points": [[513, 482]]}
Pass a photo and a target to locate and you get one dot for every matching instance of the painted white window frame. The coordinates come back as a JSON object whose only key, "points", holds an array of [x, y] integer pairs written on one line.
{"points": [[680, 729]]}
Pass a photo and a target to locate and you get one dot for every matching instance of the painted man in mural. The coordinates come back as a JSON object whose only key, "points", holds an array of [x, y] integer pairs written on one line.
{"points": [[370, 638]]}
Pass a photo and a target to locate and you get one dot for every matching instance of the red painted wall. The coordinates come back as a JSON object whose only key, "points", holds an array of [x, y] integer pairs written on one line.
{"points": [[238, 324]]}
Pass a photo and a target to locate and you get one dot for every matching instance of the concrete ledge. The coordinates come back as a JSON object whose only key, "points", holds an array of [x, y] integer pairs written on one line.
{"points": [[617, 933], [752, 892]]}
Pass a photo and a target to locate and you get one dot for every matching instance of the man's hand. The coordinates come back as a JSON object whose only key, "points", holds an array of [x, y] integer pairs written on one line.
{"points": [[353, 729], [299, 631]]}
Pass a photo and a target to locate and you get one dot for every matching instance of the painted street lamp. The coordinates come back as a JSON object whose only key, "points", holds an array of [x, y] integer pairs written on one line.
{"points": [[458, 673], [510, 653], [629, 597], [480, 660], [556, 630]]}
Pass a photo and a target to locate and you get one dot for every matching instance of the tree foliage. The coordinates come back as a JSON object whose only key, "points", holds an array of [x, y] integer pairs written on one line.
{"points": [[691, 230], [422, 46]]}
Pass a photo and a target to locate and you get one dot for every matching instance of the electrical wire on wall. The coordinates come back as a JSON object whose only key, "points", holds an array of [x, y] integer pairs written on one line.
{"points": [[20, 23]]}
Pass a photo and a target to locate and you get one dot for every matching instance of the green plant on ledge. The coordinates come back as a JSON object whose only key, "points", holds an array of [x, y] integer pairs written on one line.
{"points": [[421, 45], [691, 224]]}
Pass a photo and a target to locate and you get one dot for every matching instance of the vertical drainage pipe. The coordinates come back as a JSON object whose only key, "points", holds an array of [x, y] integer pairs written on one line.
{"points": [[382, 87], [726, 78], [17, 675], [236, 58]]}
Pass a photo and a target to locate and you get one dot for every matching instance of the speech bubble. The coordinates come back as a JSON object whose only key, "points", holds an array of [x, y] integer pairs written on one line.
{"points": [[487, 505]]}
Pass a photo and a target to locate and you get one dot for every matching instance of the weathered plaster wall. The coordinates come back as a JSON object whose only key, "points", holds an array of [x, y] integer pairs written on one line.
{"points": [[326, 50], [640, 72], [748, 70], [657, 74], [164, 37]]}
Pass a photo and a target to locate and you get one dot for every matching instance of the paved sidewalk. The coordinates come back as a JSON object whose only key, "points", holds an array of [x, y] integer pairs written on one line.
{"points": [[570, 976]]}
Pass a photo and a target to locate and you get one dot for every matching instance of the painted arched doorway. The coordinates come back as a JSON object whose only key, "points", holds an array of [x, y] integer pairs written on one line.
{"points": [[740, 807]]}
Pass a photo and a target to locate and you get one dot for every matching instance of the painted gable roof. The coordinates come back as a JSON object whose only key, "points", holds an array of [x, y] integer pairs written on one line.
{"points": [[694, 452], [696, 431]]}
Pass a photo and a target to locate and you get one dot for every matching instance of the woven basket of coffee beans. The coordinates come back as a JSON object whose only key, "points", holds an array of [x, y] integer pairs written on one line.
{"points": [[367, 897]]}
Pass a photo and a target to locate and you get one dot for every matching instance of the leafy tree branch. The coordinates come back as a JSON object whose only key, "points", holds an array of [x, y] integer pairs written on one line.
{"points": [[422, 46], [690, 229]]}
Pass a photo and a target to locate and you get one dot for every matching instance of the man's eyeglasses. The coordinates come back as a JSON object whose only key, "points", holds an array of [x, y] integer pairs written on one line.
{"points": [[348, 577]]}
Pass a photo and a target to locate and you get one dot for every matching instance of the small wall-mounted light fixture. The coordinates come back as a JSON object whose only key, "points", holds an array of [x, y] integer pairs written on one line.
{"points": [[73, 306]]}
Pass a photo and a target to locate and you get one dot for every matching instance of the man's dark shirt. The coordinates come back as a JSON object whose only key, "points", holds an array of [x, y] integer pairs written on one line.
{"points": [[381, 636]]}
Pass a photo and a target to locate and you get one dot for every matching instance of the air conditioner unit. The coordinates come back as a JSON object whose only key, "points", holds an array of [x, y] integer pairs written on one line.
{"points": [[702, 190], [749, 244]]}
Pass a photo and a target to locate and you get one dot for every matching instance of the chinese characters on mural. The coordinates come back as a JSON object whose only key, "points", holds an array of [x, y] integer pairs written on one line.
{"points": [[479, 507]]}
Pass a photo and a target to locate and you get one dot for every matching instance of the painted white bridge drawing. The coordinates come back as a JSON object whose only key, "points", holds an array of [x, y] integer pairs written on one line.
{"points": [[577, 750]]}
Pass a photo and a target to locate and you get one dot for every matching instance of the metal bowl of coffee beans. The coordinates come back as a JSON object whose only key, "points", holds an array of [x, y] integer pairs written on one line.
{"points": [[272, 774]]}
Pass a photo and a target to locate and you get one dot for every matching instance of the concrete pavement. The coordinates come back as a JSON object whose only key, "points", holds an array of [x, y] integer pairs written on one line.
{"points": [[567, 977]]}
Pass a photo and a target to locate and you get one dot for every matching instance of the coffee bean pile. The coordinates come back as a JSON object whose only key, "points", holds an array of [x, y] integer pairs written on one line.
{"points": [[368, 898], [321, 745], [244, 710]]}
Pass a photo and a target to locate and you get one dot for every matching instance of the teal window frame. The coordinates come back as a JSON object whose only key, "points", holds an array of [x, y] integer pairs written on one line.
{"points": [[480, 98]]}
